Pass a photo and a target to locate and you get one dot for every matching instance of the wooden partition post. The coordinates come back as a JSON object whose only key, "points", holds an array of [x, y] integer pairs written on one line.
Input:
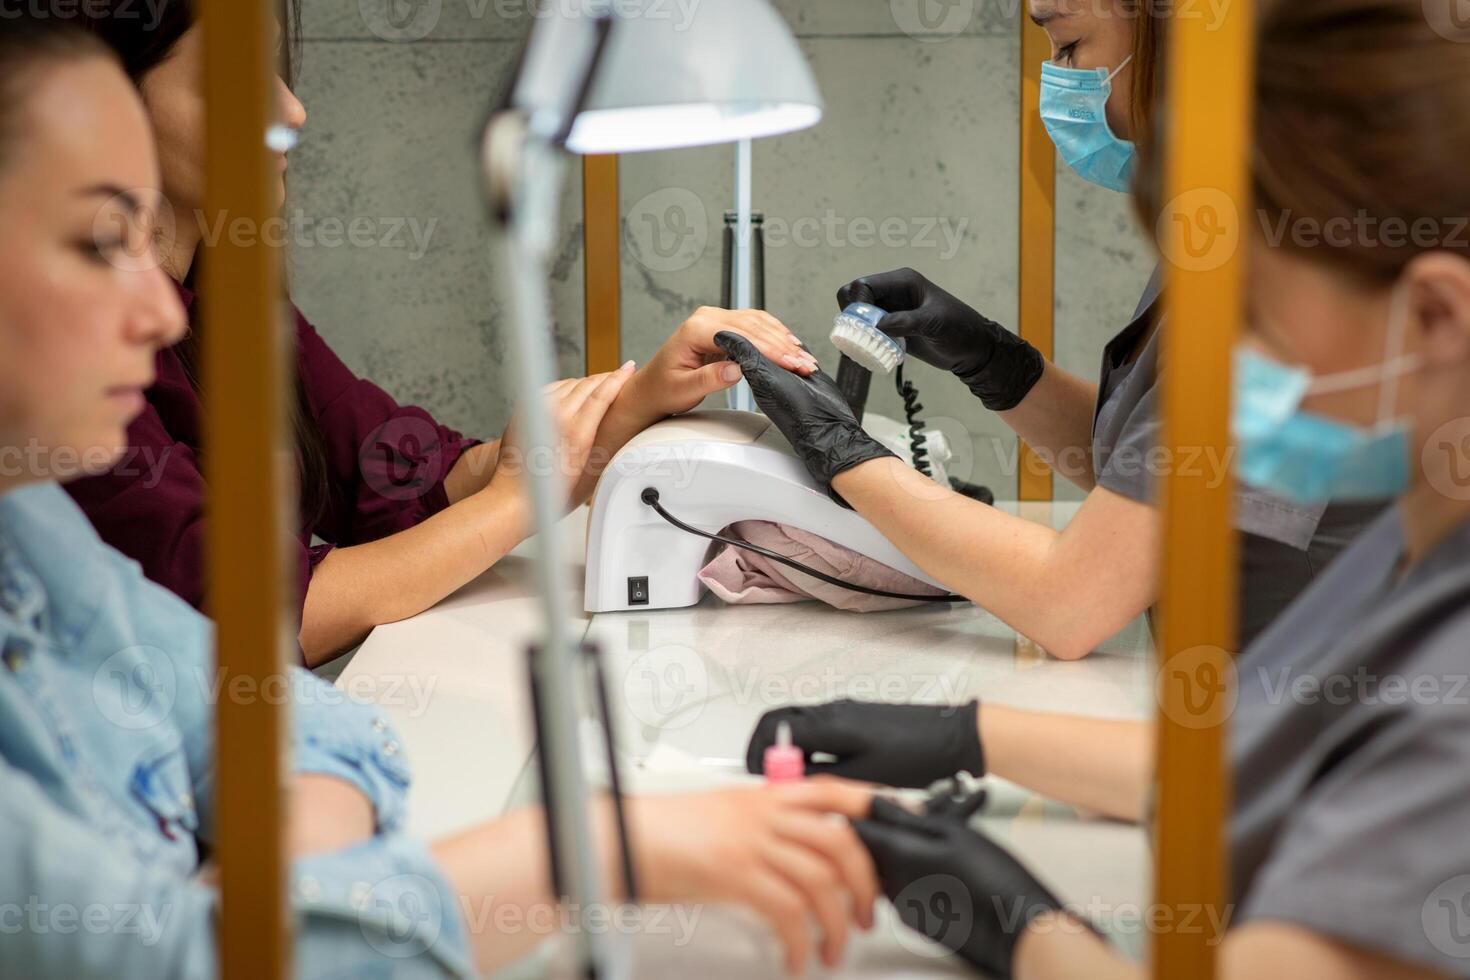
{"points": [[602, 227], [244, 376], [1206, 196], [1038, 237]]}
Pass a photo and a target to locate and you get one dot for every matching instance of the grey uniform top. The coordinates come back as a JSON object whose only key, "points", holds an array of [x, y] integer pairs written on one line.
{"points": [[1282, 544], [1350, 746]]}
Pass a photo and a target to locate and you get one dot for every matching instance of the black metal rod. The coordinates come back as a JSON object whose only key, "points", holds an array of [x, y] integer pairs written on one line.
{"points": [[602, 25], [758, 260], [558, 882], [593, 653], [727, 266]]}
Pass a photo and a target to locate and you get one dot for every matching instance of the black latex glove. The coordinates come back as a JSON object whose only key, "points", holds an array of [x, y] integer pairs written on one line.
{"points": [[998, 366], [809, 411], [954, 884], [910, 745]]}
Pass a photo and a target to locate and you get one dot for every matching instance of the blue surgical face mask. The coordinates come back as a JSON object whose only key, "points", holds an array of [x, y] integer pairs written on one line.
{"points": [[1074, 109], [1310, 458]]}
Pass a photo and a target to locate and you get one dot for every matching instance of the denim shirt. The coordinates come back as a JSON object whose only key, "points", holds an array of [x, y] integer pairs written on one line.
{"points": [[107, 772]]}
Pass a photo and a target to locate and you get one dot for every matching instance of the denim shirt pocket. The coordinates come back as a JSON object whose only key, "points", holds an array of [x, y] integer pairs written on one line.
{"points": [[160, 782]]}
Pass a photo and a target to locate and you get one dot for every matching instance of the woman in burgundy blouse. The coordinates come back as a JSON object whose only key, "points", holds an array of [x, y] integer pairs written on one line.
{"points": [[410, 510]]}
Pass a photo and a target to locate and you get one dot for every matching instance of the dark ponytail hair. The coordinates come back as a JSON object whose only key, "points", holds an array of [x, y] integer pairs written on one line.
{"points": [[142, 39], [143, 36]]}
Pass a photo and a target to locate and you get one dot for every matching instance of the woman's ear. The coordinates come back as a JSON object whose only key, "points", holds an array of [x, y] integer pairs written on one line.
{"points": [[1439, 308]]}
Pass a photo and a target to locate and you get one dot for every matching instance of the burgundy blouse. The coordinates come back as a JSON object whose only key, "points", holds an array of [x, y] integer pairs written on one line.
{"points": [[385, 463]]}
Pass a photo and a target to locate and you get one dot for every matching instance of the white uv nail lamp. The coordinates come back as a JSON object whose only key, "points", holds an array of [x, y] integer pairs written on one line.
{"points": [[709, 469]]}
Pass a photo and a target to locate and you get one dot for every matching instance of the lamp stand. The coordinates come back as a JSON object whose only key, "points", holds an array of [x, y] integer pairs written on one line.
{"points": [[523, 172]]}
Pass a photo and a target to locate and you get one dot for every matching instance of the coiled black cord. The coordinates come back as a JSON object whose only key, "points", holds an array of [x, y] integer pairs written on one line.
{"points": [[911, 408], [650, 497], [918, 442]]}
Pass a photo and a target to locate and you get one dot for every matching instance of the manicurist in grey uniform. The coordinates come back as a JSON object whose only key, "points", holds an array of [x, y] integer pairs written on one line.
{"points": [[1350, 734], [1067, 590]]}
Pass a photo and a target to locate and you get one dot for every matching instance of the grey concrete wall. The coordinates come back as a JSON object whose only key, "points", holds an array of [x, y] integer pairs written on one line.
{"points": [[391, 136], [915, 163]]}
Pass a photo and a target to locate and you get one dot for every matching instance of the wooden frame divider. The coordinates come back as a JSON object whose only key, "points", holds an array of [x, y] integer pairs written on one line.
{"points": [[1206, 194], [1037, 256], [601, 222], [250, 489]]}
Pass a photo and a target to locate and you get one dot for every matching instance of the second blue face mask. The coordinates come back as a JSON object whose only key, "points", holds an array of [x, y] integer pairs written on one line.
{"points": [[1310, 458], [1074, 110]]}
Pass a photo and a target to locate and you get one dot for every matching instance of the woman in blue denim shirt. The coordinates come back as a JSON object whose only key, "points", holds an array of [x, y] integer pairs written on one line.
{"points": [[107, 682]]}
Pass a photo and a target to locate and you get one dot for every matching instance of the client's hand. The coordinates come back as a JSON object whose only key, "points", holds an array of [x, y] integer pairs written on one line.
{"points": [[781, 850], [578, 406], [809, 411], [690, 366]]}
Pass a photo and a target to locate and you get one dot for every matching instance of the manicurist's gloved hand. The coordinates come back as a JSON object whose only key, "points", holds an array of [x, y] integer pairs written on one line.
{"points": [[998, 366], [809, 411], [909, 745], [689, 367], [954, 884]]}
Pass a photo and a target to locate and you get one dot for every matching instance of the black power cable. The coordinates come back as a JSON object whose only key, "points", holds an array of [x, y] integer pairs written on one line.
{"points": [[650, 497]]}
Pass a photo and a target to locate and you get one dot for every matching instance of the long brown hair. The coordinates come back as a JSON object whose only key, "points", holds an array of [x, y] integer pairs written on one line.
{"points": [[1148, 50], [1363, 111], [143, 42], [1361, 115]]}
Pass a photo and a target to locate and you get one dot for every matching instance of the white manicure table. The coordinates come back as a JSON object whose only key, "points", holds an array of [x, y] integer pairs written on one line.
{"points": [[687, 686]]}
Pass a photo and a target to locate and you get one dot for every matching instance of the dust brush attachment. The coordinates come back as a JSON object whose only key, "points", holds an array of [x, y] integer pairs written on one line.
{"points": [[855, 333]]}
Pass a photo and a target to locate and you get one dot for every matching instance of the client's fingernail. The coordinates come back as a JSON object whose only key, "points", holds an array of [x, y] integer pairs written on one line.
{"points": [[730, 372], [627, 364]]}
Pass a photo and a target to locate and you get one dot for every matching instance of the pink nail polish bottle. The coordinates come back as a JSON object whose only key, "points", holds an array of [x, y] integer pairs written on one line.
{"points": [[784, 762]]}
